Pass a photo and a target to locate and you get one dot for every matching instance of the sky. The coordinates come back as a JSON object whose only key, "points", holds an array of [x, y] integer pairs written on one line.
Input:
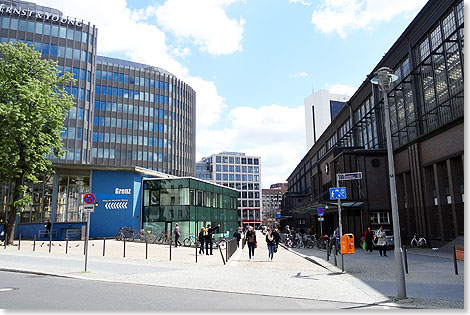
{"points": [[251, 62]]}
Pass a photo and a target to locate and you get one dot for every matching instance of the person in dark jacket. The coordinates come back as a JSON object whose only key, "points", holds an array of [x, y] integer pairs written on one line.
{"points": [[271, 243], [48, 226], [238, 236], [209, 235], [369, 238], [201, 240], [277, 238], [251, 241]]}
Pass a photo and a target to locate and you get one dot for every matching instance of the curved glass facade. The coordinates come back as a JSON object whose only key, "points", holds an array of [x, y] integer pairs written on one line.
{"points": [[126, 113], [142, 116]]}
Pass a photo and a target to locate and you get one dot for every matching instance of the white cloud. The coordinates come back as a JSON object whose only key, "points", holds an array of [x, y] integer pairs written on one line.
{"points": [[341, 16], [205, 22], [275, 133], [301, 2], [300, 74], [341, 89]]}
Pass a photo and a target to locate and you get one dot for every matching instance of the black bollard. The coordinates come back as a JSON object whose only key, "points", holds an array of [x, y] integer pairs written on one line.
{"points": [[455, 263], [124, 253], [146, 248], [196, 250], [6, 240], [336, 263], [405, 257], [328, 250], [19, 242], [34, 243], [66, 245], [104, 245], [170, 248], [50, 242]]}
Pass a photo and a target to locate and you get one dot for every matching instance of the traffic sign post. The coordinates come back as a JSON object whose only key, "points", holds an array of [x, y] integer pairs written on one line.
{"points": [[89, 199], [321, 219]]}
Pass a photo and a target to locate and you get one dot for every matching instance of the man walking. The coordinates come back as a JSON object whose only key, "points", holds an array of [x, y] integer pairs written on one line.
{"points": [[176, 231], [277, 238]]}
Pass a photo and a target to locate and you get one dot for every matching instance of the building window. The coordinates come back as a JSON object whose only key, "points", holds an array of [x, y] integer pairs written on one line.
{"points": [[380, 218]]}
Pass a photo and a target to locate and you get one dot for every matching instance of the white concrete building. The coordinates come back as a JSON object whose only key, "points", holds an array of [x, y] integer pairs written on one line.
{"points": [[321, 108], [236, 170]]}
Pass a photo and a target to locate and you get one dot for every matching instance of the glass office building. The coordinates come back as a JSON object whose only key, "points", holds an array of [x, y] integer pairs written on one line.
{"points": [[126, 114], [190, 202]]}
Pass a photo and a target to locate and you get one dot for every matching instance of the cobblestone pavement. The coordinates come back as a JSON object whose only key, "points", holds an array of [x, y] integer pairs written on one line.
{"points": [[431, 281]]}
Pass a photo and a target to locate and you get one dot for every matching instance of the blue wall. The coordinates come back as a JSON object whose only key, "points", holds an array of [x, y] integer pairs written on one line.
{"points": [[115, 210]]}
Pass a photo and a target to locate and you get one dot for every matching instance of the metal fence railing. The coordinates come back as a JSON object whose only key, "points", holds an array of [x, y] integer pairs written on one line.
{"points": [[231, 248]]}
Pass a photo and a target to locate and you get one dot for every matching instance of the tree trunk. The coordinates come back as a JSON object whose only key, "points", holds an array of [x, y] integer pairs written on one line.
{"points": [[11, 223]]}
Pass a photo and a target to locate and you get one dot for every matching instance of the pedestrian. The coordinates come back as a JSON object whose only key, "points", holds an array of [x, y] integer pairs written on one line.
{"points": [[271, 243], [238, 236], [277, 238], [368, 238], [176, 231], [381, 241], [47, 226], [202, 235], [251, 240], [208, 240]]}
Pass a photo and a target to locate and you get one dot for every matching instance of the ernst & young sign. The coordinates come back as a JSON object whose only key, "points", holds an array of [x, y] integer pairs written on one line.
{"points": [[46, 16]]}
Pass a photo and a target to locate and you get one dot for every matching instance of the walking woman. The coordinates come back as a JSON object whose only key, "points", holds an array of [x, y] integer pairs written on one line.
{"points": [[251, 241], [381, 241], [270, 241]]}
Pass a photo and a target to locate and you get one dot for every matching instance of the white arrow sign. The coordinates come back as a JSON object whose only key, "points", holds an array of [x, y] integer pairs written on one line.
{"points": [[116, 205]]}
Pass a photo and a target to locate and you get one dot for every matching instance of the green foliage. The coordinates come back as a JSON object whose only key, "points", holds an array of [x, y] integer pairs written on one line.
{"points": [[33, 106]]}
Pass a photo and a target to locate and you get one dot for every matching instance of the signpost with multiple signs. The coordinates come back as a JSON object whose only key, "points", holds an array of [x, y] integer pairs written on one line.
{"points": [[89, 207]]}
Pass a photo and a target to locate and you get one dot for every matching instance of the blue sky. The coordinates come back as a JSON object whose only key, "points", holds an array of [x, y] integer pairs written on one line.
{"points": [[251, 62]]}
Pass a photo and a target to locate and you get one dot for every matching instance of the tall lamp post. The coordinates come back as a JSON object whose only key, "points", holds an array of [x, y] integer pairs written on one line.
{"points": [[384, 78]]}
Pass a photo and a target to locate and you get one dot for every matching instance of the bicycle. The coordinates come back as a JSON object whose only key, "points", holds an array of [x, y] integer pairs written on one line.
{"points": [[124, 233], [188, 241], [335, 242], [418, 241], [145, 237], [163, 239]]}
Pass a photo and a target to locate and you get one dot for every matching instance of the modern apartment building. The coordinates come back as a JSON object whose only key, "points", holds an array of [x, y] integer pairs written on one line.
{"points": [[272, 200], [321, 107], [236, 170]]}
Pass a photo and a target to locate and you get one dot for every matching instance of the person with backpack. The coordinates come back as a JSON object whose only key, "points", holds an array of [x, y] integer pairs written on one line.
{"points": [[251, 241], [277, 238]]}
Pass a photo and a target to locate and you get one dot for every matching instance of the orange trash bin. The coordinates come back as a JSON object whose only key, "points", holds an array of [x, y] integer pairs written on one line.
{"points": [[347, 244]]}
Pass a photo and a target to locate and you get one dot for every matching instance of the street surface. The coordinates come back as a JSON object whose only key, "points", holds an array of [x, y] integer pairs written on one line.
{"points": [[290, 280], [43, 292]]}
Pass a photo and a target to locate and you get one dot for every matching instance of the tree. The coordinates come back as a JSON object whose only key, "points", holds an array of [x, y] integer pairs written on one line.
{"points": [[33, 106]]}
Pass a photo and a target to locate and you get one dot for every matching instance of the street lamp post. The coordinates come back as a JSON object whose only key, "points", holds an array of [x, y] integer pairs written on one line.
{"points": [[384, 78]]}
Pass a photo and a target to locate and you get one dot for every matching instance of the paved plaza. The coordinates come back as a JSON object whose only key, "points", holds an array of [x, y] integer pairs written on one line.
{"points": [[288, 275]]}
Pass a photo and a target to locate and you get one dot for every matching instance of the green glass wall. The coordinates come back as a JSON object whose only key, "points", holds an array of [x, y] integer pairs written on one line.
{"points": [[191, 203]]}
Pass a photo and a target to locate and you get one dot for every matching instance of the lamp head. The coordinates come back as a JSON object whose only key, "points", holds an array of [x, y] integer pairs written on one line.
{"points": [[384, 78]]}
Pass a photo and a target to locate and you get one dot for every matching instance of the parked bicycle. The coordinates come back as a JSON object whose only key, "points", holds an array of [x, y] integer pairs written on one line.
{"points": [[124, 233], [164, 239], [145, 236], [222, 242], [418, 241], [189, 241]]}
